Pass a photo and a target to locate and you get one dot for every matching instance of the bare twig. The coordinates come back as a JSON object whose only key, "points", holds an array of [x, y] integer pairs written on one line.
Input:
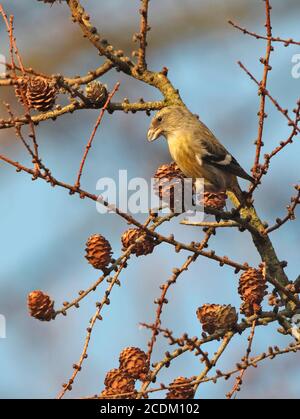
{"points": [[96, 316], [286, 42], [143, 36], [226, 340], [283, 111], [290, 212], [162, 300], [90, 141], [239, 379], [263, 85], [209, 224]]}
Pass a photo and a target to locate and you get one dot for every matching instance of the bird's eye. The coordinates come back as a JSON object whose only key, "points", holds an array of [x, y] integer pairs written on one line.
{"points": [[159, 118]]}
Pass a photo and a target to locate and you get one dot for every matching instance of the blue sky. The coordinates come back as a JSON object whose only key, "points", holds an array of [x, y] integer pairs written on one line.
{"points": [[43, 231]]}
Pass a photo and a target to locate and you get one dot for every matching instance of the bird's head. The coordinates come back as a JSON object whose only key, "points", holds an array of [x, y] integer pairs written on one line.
{"points": [[167, 121]]}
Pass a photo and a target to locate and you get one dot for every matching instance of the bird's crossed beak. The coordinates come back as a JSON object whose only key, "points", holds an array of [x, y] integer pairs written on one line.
{"points": [[153, 134]]}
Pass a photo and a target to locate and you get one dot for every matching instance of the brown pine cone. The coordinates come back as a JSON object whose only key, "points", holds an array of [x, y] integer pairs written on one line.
{"points": [[21, 88], [217, 318], [113, 393], [40, 93], [98, 251], [110, 376], [40, 305], [252, 289], [109, 393], [214, 200], [96, 92], [118, 379], [143, 247], [134, 362], [168, 179], [184, 392], [117, 382]]}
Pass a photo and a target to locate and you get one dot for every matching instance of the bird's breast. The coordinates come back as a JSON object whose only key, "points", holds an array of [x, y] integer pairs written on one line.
{"points": [[184, 155]]}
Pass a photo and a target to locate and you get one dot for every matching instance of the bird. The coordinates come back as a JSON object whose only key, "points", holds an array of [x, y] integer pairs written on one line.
{"points": [[196, 150]]}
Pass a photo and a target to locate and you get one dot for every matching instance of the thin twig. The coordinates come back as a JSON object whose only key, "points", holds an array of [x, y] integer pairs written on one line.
{"points": [[76, 105], [269, 156], [90, 141], [239, 379], [209, 224], [226, 340], [161, 301], [96, 316], [286, 42], [263, 85], [290, 212], [142, 65], [283, 111]]}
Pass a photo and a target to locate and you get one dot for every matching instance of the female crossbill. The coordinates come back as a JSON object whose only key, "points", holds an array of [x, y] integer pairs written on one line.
{"points": [[196, 150]]}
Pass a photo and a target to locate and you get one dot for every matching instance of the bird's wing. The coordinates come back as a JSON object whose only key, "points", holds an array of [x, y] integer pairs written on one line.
{"points": [[213, 153], [227, 163]]}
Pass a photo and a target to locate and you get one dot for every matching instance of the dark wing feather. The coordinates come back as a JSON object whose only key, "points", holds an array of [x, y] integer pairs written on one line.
{"points": [[217, 155], [231, 167]]}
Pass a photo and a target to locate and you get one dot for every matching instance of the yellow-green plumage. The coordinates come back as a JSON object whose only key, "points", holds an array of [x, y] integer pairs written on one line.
{"points": [[196, 150], [184, 150]]}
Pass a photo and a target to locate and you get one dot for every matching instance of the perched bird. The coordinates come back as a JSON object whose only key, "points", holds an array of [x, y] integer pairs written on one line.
{"points": [[196, 150]]}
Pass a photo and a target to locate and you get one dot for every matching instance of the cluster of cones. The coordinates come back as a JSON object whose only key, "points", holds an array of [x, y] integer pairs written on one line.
{"points": [[120, 382], [99, 255], [169, 186], [40, 93], [181, 388], [219, 319], [98, 249], [134, 365]]}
